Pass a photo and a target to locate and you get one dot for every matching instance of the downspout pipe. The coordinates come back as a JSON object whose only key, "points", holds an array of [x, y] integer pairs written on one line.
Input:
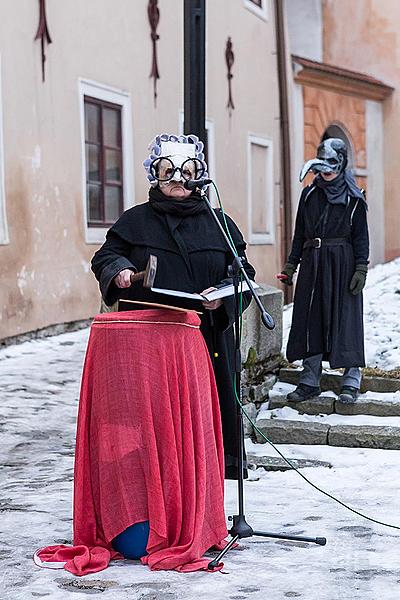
{"points": [[286, 171]]}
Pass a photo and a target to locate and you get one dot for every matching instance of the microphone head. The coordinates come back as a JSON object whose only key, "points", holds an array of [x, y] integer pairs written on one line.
{"points": [[192, 184], [267, 320]]}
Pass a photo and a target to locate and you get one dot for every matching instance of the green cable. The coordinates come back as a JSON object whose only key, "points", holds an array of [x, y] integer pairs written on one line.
{"points": [[294, 468], [290, 464]]}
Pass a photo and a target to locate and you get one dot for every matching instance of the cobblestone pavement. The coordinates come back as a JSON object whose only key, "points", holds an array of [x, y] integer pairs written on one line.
{"points": [[39, 383]]}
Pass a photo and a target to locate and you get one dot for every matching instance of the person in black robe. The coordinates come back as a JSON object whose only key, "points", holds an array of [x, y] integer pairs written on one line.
{"points": [[331, 244], [175, 225]]}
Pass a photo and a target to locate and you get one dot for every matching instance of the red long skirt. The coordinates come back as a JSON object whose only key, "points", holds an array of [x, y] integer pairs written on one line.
{"points": [[149, 444]]}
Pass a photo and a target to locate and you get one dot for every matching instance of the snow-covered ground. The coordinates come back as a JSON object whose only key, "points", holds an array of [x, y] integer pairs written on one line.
{"points": [[40, 386], [39, 397], [381, 316]]}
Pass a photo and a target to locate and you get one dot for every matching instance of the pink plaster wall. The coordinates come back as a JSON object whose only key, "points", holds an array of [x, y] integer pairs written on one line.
{"points": [[364, 35]]}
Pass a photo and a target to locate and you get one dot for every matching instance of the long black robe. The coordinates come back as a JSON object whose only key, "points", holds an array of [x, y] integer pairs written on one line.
{"points": [[327, 318], [192, 256]]}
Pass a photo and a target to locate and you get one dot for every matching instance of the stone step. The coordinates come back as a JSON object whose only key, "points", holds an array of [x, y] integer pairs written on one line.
{"points": [[276, 463], [285, 431], [324, 405], [380, 407], [332, 381]]}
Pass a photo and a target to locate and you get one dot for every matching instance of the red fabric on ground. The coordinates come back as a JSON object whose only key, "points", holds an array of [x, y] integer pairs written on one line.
{"points": [[149, 443]]}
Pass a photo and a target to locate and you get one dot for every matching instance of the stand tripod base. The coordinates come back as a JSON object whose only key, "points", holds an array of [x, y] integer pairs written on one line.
{"points": [[242, 529]]}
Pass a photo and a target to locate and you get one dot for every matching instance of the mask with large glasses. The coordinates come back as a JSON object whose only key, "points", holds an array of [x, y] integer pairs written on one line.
{"points": [[164, 169]]}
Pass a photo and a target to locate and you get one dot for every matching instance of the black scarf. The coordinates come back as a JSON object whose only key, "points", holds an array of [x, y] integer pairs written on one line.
{"points": [[184, 207], [339, 188]]}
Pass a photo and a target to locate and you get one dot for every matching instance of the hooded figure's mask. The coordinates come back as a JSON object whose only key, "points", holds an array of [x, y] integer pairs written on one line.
{"points": [[331, 158], [175, 158]]}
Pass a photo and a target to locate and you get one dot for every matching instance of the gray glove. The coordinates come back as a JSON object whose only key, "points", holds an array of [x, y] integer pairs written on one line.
{"points": [[286, 275], [357, 282]]}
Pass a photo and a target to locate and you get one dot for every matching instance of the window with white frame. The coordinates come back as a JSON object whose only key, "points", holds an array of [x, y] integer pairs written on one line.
{"points": [[107, 161], [260, 191], [3, 217], [258, 7]]}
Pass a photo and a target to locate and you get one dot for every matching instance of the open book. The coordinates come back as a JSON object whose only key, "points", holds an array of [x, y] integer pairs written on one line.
{"points": [[222, 292]]}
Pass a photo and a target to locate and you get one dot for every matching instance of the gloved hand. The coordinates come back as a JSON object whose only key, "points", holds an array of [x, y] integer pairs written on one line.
{"points": [[286, 275], [357, 282]]}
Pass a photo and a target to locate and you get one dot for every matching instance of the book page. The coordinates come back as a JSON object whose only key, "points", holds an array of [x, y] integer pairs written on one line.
{"points": [[177, 294], [228, 290], [222, 292]]}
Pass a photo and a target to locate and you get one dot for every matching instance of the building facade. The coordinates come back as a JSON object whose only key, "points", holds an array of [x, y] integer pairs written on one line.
{"points": [[74, 128], [72, 146], [345, 84]]}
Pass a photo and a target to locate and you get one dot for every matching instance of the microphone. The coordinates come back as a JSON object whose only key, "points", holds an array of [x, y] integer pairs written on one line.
{"points": [[195, 183]]}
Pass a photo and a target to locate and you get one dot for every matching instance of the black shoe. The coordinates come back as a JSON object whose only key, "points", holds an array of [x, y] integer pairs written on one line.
{"points": [[348, 394], [303, 392]]}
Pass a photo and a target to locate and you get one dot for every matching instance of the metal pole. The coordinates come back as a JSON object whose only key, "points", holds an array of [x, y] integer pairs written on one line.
{"points": [[286, 190], [195, 67]]}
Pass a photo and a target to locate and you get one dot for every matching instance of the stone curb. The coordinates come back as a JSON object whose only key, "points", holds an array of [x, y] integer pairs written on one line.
{"points": [[282, 431], [276, 463], [332, 382]]}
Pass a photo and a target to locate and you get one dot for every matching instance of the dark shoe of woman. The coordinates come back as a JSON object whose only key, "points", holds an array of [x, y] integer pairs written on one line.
{"points": [[303, 392], [348, 395]]}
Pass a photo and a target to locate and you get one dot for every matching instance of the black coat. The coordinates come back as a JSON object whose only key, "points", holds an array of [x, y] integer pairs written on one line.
{"points": [[192, 256], [327, 318]]}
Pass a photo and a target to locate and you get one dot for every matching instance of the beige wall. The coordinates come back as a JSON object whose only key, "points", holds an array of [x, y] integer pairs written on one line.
{"points": [[45, 276], [373, 28], [255, 94]]}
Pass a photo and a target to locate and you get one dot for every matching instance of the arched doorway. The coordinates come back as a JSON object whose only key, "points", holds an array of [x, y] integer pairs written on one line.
{"points": [[336, 131]]}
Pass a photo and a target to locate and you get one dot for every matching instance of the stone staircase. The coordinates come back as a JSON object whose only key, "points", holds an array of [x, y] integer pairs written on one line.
{"points": [[330, 380], [372, 422]]}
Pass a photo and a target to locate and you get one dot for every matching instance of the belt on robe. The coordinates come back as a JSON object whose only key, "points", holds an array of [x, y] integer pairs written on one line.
{"points": [[319, 242]]}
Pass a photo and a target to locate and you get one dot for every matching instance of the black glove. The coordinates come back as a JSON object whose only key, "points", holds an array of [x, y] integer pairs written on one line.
{"points": [[357, 282], [286, 275]]}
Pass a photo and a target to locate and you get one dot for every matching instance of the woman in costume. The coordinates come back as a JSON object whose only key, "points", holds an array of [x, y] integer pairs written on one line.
{"points": [[175, 225], [331, 244]]}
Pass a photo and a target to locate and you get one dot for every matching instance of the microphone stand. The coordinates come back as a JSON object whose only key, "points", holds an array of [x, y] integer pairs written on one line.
{"points": [[240, 528]]}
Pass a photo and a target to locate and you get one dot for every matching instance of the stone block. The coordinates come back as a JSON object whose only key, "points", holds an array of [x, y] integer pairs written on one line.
{"points": [[282, 431], [380, 384], [247, 426], [370, 406], [268, 383], [265, 342], [289, 376], [261, 391], [276, 463], [365, 436], [247, 394], [314, 406]]}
